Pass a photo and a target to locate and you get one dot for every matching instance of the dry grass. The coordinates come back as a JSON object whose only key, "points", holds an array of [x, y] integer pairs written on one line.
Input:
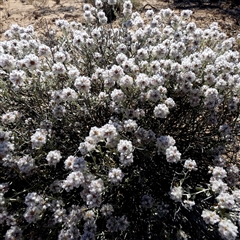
{"points": [[38, 3]]}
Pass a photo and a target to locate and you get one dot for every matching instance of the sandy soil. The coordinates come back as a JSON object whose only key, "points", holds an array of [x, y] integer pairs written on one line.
{"points": [[40, 12], [25, 13]]}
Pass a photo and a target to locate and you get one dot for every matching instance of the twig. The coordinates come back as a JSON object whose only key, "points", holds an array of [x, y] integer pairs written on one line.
{"points": [[146, 5]]}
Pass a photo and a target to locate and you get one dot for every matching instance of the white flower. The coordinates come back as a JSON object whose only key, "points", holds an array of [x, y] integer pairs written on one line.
{"points": [[125, 147], [10, 117], [44, 50], [93, 199], [166, 13], [56, 96], [53, 157], [33, 199], [32, 214], [17, 78], [115, 175], [127, 4], [83, 84], [225, 200], [172, 154], [217, 185], [122, 223], [59, 56], [96, 133], [13, 233], [32, 61], [117, 95], [210, 217], [142, 80], [155, 66], [153, 95], [191, 27], [7, 62], [190, 164], [164, 142], [121, 57], [130, 125], [61, 23], [58, 68], [101, 15], [96, 186], [85, 147], [142, 54], [96, 33], [106, 210], [221, 84], [116, 72], [236, 194], [188, 204], [128, 65], [109, 131], [126, 160], [68, 94], [149, 13], [59, 215], [138, 21], [39, 138], [176, 194], [126, 81], [161, 111], [103, 20], [108, 83], [74, 180], [89, 215], [98, 4], [219, 173], [69, 162], [227, 229], [185, 14], [86, 7], [26, 164]]}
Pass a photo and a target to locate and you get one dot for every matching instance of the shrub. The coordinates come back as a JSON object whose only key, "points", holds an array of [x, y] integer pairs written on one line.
{"points": [[120, 133]]}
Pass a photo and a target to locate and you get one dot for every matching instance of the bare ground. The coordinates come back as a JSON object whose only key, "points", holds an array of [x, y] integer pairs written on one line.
{"points": [[42, 12]]}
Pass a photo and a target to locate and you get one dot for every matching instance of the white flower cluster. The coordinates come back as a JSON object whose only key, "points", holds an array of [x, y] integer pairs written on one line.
{"points": [[176, 193], [115, 175], [39, 138], [165, 145], [74, 180], [190, 164], [123, 98], [26, 164], [172, 154], [10, 117], [53, 157], [35, 207], [226, 199], [164, 142], [5, 146], [107, 132], [125, 148], [75, 163], [64, 95]]}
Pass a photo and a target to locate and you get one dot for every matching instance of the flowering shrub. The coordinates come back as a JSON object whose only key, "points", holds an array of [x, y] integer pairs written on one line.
{"points": [[119, 133]]}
